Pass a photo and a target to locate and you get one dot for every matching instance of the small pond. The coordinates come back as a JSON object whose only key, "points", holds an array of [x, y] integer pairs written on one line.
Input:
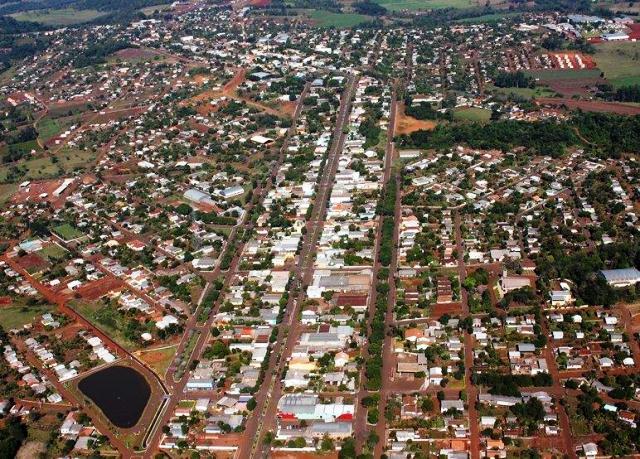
{"points": [[122, 394]]}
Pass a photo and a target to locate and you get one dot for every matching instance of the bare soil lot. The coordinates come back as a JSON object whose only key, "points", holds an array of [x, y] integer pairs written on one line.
{"points": [[407, 124]]}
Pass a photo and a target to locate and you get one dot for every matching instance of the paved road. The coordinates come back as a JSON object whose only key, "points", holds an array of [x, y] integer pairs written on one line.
{"points": [[264, 417]]}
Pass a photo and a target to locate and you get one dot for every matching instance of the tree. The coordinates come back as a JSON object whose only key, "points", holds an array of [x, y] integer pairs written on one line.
{"points": [[348, 449]]}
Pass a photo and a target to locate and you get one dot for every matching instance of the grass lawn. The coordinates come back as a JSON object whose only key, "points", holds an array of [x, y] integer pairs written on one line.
{"points": [[413, 5], [16, 316], [472, 114], [620, 62], [338, 20], [6, 191], [63, 17], [67, 232]]}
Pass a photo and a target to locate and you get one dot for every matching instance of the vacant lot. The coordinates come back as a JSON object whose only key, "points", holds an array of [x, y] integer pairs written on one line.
{"points": [[620, 62], [17, 316], [407, 124], [159, 359], [105, 318], [63, 17]]}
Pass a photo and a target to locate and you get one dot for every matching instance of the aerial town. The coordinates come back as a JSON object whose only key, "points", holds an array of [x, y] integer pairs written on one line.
{"points": [[300, 229]]}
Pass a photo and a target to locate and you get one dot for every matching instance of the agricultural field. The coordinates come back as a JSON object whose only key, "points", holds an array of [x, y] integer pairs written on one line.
{"points": [[568, 82], [487, 18], [62, 17], [553, 75], [337, 20], [620, 62], [414, 5]]}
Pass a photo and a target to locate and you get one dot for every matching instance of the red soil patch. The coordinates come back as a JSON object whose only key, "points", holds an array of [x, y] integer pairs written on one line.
{"points": [[95, 289], [634, 34], [407, 124], [34, 190], [5, 300], [32, 261], [288, 107], [260, 3], [591, 105], [446, 308]]}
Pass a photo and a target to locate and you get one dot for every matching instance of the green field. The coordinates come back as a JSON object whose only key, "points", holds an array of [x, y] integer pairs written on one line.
{"points": [[554, 75], [149, 10], [413, 5], [67, 232], [66, 160], [527, 93], [23, 148], [70, 159], [53, 252], [107, 319], [62, 17], [486, 18], [620, 62], [49, 127], [6, 191], [33, 169], [472, 114], [17, 316], [337, 20]]}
